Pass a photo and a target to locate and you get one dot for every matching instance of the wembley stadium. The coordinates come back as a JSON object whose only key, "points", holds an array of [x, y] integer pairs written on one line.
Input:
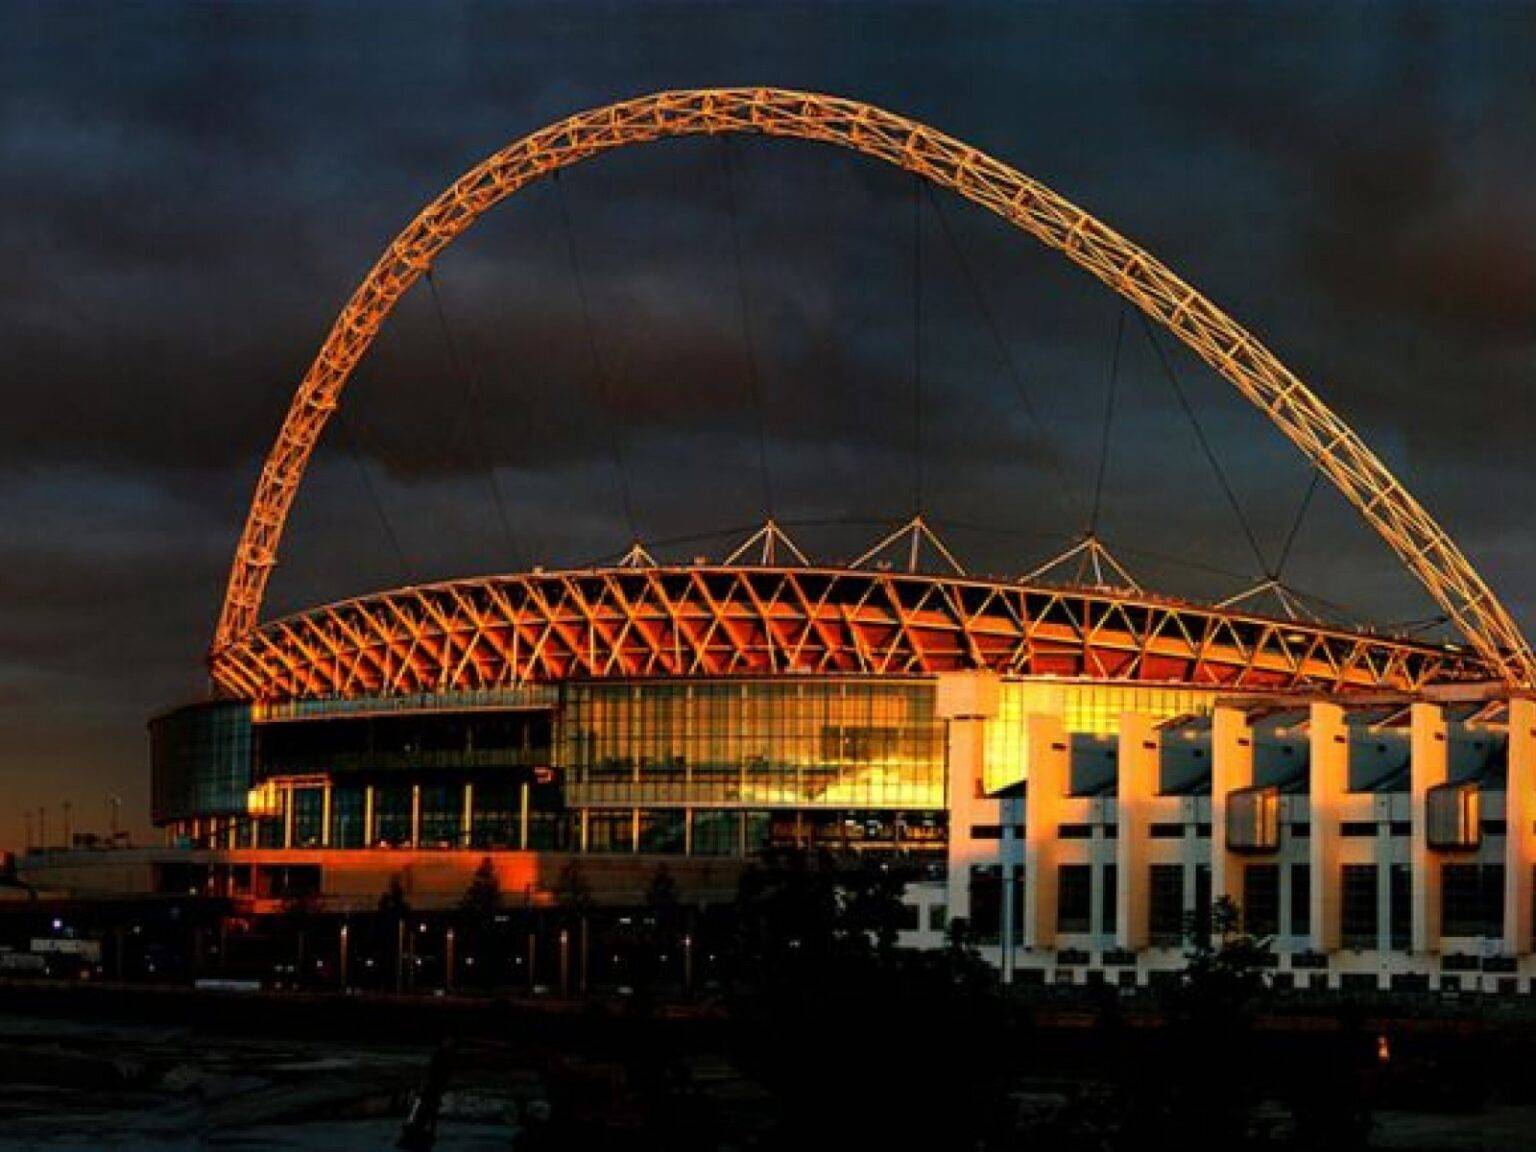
{"points": [[1067, 761]]}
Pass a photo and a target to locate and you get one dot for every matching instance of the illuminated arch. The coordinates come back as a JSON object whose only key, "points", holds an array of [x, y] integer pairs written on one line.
{"points": [[1128, 269]]}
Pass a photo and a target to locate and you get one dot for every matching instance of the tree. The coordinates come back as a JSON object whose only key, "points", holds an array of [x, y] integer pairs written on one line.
{"points": [[394, 904], [1204, 1092], [1226, 968], [653, 942], [480, 914], [573, 896], [830, 1009], [394, 907], [482, 899]]}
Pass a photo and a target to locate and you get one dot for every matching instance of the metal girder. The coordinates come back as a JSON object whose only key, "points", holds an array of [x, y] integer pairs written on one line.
{"points": [[503, 631], [1423, 547]]}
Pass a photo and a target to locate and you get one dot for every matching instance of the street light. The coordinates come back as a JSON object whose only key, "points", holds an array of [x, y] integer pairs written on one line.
{"points": [[341, 965]]}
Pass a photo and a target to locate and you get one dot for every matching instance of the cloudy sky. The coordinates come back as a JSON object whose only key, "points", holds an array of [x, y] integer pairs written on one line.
{"points": [[187, 195]]}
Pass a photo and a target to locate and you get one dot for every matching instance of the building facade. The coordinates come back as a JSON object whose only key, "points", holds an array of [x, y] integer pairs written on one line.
{"points": [[1365, 805]]}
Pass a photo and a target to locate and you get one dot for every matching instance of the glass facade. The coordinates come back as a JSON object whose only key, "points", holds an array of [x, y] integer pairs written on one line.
{"points": [[769, 744], [200, 761], [392, 805], [494, 818], [308, 817], [1090, 709], [348, 806]]}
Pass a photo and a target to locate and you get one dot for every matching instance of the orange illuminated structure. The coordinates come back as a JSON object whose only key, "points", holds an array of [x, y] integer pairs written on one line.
{"points": [[1332, 447], [1071, 762], [703, 621]]}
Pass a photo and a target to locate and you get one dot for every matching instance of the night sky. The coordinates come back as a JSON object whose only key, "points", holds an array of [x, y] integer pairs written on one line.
{"points": [[187, 195]]}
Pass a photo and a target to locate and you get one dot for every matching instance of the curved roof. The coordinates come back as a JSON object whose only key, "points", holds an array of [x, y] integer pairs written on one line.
{"points": [[740, 620]]}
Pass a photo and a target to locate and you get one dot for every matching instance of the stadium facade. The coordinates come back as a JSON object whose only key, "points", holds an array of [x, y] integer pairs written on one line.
{"points": [[1075, 770], [1072, 767]]}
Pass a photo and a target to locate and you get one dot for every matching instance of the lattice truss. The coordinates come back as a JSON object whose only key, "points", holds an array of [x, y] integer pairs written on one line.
{"points": [[1125, 267], [733, 621]]}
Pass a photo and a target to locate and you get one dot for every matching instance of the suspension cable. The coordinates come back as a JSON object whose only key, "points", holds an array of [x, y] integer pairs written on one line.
{"points": [[1205, 444], [351, 438], [1301, 514], [1004, 352], [467, 432], [917, 345], [595, 357], [1108, 423], [748, 333]]}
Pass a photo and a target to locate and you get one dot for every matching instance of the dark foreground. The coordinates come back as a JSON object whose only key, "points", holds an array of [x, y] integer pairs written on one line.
{"points": [[132, 1068]]}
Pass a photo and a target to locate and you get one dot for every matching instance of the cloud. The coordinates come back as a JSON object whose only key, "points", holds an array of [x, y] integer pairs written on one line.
{"points": [[191, 193]]}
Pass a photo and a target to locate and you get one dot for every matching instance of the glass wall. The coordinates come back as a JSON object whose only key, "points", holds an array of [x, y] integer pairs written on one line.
{"points": [[494, 822], [308, 817], [845, 744], [392, 815], [200, 761], [1093, 709], [442, 815], [348, 802]]}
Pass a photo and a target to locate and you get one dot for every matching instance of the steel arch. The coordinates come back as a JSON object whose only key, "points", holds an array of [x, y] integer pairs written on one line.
{"points": [[1333, 447]]}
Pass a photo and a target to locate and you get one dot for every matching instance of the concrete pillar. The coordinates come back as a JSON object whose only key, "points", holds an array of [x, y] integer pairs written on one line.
{"points": [[368, 838], [1519, 834], [1428, 766], [415, 815], [524, 793], [287, 794], [466, 822], [325, 816], [966, 701], [1328, 772], [1050, 772], [1135, 790], [1231, 769]]}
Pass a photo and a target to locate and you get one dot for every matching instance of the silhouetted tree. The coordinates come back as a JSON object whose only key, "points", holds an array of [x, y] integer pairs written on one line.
{"points": [[481, 918]]}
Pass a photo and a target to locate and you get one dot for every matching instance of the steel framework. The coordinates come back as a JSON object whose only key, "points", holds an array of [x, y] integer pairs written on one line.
{"points": [[712, 621], [1334, 448]]}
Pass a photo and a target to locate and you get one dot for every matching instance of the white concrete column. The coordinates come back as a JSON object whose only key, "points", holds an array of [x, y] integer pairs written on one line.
{"points": [[1050, 770], [1231, 769], [966, 701], [1328, 772], [1136, 789], [1428, 766], [1519, 835]]}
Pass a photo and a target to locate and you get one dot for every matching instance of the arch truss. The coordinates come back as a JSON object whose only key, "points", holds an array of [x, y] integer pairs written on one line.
{"points": [[1332, 447]]}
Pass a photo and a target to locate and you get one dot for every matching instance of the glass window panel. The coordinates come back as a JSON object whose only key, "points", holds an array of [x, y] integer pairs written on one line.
{"points": [[347, 807]]}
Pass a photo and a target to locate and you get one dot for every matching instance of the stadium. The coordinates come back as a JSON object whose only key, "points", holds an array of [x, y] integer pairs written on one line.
{"points": [[1067, 762]]}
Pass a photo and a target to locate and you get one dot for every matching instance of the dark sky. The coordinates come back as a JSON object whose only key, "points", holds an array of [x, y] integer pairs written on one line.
{"points": [[187, 195]]}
